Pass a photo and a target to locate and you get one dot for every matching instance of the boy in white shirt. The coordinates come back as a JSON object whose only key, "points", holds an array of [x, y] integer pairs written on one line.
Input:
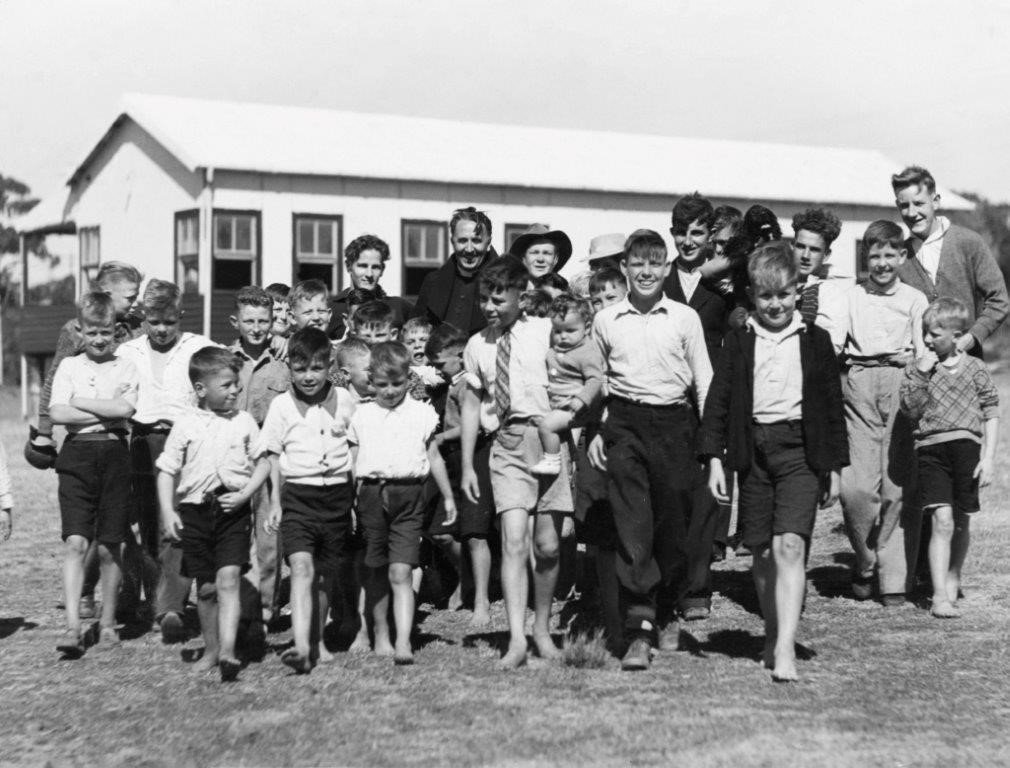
{"points": [[305, 437], [93, 395], [394, 451], [214, 453]]}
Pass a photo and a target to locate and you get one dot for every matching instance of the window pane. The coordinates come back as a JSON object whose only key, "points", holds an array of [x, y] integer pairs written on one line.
{"points": [[187, 274], [222, 230], [316, 271], [325, 238], [413, 243], [306, 237], [433, 244], [232, 274], [186, 236], [243, 234]]}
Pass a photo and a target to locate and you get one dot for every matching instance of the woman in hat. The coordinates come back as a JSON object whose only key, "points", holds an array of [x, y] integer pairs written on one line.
{"points": [[543, 251]]}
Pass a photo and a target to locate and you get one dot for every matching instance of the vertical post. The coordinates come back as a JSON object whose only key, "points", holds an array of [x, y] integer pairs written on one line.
{"points": [[206, 254]]}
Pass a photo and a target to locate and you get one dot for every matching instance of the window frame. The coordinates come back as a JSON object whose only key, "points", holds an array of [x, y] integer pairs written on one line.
{"points": [[84, 233], [257, 258], [189, 213], [404, 266], [337, 282], [508, 229]]}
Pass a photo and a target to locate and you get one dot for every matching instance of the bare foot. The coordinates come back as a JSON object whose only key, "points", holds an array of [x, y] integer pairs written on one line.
{"points": [[456, 599], [383, 647], [298, 660], [404, 656], [323, 654], [943, 609], [206, 662], [768, 654], [481, 618], [785, 666], [361, 643], [545, 646], [515, 658]]}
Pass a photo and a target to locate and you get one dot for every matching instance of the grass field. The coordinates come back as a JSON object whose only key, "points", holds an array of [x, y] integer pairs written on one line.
{"points": [[880, 686]]}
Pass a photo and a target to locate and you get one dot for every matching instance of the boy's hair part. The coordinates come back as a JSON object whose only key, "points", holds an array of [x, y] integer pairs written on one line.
{"points": [[374, 313], [278, 291], [883, 232], [644, 244], [96, 308], [761, 225], [421, 324], [208, 361], [771, 265], [565, 304], [821, 222], [307, 290], [365, 243], [690, 208], [471, 214], [160, 296], [947, 313], [913, 176], [390, 357], [551, 280], [536, 302], [503, 274], [308, 344], [446, 336], [253, 296], [727, 216], [349, 349], [606, 276], [116, 272]]}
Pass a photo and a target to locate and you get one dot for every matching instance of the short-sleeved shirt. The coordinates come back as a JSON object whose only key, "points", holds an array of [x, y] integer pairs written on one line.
{"points": [[393, 442], [778, 375], [882, 322], [310, 439], [79, 376], [209, 451], [530, 343], [173, 396]]}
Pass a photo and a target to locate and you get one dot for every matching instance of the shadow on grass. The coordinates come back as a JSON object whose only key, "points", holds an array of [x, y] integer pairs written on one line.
{"points": [[834, 580], [733, 644], [9, 626], [737, 586]]}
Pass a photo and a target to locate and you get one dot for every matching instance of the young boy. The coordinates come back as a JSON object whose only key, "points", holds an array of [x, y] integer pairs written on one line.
{"points": [[774, 416], [261, 378], [309, 305], [607, 286], [820, 301], [393, 449], [884, 333], [279, 294], [375, 322], [305, 436], [416, 332], [948, 260], [350, 369], [93, 395], [475, 520], [214, 454], [165, 393], [656, 368], [506, 389], [955, 405]]}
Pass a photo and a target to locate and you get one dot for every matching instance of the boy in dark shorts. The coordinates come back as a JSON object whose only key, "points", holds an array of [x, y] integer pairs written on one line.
{"points": [[93, 395], [305, 436], [774, 416], [214, 453], [956, 406], [392, 444]]}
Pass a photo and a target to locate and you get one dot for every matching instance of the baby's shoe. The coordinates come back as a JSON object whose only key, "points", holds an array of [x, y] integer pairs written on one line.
{"points": [[550, 464]]}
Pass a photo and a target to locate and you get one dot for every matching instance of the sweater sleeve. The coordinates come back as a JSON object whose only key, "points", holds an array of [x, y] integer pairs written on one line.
{"points": [[592, 374], [988, 396], [990, 288], [914, 392]]}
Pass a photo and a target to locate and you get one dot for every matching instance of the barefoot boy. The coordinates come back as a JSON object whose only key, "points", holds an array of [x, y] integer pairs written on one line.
{"points": [[956, 408], [93, 395], [305, 436], [774, 416], [214, 453]]}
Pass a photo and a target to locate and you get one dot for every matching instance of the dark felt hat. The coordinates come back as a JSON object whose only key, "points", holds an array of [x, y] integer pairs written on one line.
{"points": [[539, 232]]}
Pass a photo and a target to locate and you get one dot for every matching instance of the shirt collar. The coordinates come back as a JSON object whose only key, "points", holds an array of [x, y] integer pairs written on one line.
{"points": [[796, 326], [943, 225], [329, 403], [871, 287], [625, 307]]}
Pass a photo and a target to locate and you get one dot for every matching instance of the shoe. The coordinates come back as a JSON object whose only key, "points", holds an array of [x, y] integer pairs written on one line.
{"points": [[71, 643], [550, 464], [108, 637], [697, 613], [893, 600], [862, 587], [173, 629], [86, 608], [638, 657]]}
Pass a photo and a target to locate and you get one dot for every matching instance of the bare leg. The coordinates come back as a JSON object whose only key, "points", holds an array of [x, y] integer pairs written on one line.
{"points": [[940, 562], [227, 610], [92, 570], [74, 550], [546, 556], [377, 606], [359, 576], [110, 559], [324, 586], [480, 560], [302, 587], [763, 569], [206, 609], [453, 551], [958, 552], [789, 553], [515, 552], [403, 610]]}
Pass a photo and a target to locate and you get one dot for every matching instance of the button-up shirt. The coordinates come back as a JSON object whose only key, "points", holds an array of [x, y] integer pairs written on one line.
{"points": [[261, 379], [778, 374], [656, 357], [79, 376], [928, 251], [209, 451], [884, 323], [832, 306], [172, 396], [393, 442]]}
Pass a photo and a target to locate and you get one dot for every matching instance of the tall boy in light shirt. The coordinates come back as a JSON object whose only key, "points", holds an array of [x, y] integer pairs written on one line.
{"points": [[656, 367], [305, 437], [884, 327], [161, 356], [392, 442], [506, 374]]}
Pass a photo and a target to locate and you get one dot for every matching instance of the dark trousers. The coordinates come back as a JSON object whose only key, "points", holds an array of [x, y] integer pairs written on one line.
{"points": [[653, 473], [695, 586]]}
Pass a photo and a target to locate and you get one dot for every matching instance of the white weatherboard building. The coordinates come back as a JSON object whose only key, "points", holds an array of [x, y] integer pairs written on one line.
{"points": [[217, 195]]}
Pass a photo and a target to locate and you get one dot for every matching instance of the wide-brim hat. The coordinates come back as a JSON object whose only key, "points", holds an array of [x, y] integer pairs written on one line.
{"points": [[39, 456], [606, 246], [539, 232]]}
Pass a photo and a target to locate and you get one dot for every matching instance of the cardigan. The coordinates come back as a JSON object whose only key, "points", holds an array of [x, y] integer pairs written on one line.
{"points": [[727, 425], [967, 272]]}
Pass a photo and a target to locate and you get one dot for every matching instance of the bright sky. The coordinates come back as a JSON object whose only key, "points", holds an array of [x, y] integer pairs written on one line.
{"points": [[923, 81]]}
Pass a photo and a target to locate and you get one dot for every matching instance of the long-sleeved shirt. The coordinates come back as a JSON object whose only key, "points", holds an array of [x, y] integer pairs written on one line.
{"points": [[949, 402], [171, 396], [261, 380], [883, 323]]}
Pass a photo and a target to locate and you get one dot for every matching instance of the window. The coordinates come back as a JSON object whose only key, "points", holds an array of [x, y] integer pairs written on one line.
{"points": [[512, 231], [862, 269], [424, 249], [236, 249], [187, 251], [317, 248], [89, 248]]}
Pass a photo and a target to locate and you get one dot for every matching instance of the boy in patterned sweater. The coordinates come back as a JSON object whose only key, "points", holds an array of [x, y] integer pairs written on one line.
{"points": [[956, 406]]}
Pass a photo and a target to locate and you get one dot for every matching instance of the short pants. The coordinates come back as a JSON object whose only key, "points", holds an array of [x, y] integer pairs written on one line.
{"points": [[316, 519], [946, 475], [213, 539]]}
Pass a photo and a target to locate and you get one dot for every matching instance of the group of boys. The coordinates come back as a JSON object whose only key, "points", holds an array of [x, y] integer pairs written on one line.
{"points": [[674, 377]]}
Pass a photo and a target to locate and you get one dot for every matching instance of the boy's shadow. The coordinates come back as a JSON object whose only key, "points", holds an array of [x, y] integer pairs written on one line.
{"points": [[734, 644], [737, 586], [9, 626], [834, 580]]}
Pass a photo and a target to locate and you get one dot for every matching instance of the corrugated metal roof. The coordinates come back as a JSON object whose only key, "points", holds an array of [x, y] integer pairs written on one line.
{"points": [[281, 139]]}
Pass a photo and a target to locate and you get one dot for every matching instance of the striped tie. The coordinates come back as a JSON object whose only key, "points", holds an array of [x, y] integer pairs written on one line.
{"points": [[809, 301], [502, 400]]}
